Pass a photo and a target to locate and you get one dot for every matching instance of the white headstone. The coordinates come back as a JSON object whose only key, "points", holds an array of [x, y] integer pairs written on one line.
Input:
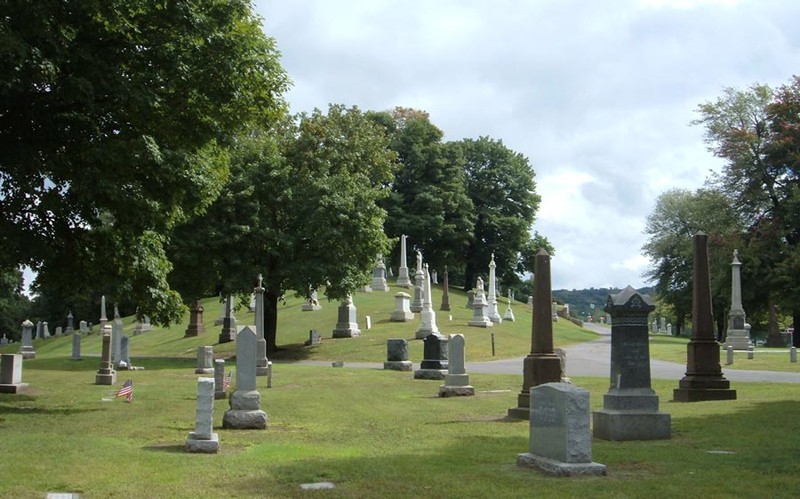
{"points": [[203, 438], [491, 300]]}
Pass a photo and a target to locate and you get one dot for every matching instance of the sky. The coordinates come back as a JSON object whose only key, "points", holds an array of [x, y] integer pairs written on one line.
{"points": [[598, 96]]}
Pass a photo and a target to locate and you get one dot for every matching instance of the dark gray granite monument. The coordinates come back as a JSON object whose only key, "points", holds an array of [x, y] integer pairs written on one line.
{"points": [[196, 326], [630, 408], [434, 364], [397, 355]]}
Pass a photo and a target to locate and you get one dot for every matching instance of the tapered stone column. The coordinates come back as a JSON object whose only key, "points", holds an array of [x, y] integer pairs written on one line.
{"points": [[263, 365], [403, 279], [492, 312], [445, 292], [542, 365], [704, 379], [738, 336]]}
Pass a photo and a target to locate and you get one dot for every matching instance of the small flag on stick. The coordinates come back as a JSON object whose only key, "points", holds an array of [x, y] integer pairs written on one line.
{"points": [[226, 381], [126, 390]]}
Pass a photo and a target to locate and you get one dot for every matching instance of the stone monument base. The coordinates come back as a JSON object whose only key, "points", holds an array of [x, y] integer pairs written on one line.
{"points": [[30, 354], [14, 388], [558, 468], [421, 334], [346, 333], [702, 394], [308, 307], [609, 424], [244, 420], [204, 444], [400, 316], [519, 413], [105, 378], [264, 370], [456, 391], [397, 365], [480, 323], [439, 374], [739, 339]]}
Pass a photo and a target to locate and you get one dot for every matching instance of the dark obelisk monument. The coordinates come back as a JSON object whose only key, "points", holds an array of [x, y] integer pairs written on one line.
{"points": [[445, 292], [542, 365], [704, 379]]}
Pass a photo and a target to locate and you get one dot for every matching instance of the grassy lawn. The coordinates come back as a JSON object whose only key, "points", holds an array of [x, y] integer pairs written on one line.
{"points": [[373, 433]]}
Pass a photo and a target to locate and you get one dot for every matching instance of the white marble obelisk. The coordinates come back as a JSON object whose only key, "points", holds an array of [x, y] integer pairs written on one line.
{"points": [[492, 313], [738, 336], [402, 273], [427, 315]]}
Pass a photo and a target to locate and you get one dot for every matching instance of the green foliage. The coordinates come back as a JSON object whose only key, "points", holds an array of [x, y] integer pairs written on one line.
{"points": [[116, 118], [14, 306]]}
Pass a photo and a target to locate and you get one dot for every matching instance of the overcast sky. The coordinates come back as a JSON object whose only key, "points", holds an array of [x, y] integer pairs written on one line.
{"points": [[597, 95]]}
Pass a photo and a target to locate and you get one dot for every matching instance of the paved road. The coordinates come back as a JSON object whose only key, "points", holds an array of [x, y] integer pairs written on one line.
{"points": [[592, 358]]}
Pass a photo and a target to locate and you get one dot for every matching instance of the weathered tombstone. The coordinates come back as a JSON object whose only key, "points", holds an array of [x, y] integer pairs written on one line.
{"points": [[26, 348], [402, 312], [106, 375], [203, 439], [434, 277], [750, 352], [389, 272], [470, 299], [3, 340], [379, 275], [76, 346], [313, 338], [45, 330], [434, 363], [70, 322], [228, 323], [205, 360], [367, 322], [479, 306], [347, 323], [419, 286], [116, 337], [144, 325], [530, 303], [630, 408], [196, 326], [124, 363], [103, 318], [509, 315], [219, 379], [541, 365], [793, 354], [704, 379], [312, 303], [491, 299], [729, 358], [738, 337], [403, 279], [39, 334], [223, 306], [397, 355], [83, 327], [456, 383], [91, 328], [554, 314], [263, 365], [11, 374], [445, 292], [252, 304], [427, 316], [560, 442], [59, 331], [245, 403]]}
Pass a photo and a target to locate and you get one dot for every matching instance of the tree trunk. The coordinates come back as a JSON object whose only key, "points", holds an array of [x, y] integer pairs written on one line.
{"points": [[271, 320], [795, 324]]}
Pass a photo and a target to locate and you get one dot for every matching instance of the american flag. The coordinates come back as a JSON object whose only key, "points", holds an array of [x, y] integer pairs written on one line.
{"points": [[226, 381], [126, 391]]}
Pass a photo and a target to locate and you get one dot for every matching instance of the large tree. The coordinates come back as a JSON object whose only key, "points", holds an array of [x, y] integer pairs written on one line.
{"points": [[115, 118], [428, 200], [501, 184], [301, 209]]}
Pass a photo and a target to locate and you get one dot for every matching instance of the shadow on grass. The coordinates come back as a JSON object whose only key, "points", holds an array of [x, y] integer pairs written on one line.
{"points": [[292, 352], [15, 409], [169, 448]]}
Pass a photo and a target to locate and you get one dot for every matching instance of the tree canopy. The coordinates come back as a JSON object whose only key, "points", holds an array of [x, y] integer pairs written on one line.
{"points": [[115, 123]]}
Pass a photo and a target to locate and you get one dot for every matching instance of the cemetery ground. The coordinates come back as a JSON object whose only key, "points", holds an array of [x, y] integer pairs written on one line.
{"points": [[370, 432]]}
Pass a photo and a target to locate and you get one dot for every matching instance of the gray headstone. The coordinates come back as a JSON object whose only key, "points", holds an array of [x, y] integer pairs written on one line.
{"points": [[246, 360], [45, 330], [457, 380], [219, 376], [396, 349], [124, 352], [10, 369], [435, 352], [26, 348], [76, 346], [203, 438], [83, 327], [59, 330], [205, 360]]}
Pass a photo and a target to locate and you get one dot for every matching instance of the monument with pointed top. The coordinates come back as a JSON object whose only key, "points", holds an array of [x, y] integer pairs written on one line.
{"points": [[703, 379], [509, 315], [26, 340], [103, 317], [245, 403], [427, 316], [263, 365], [228, 332], [347, 323], [403, 279], [445, 306], [491, 300], [738, 336], [419, 286], [479, 305], [379, 275]]}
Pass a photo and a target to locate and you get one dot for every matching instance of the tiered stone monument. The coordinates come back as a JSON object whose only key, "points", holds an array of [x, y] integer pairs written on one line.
{"points": [[456, 383], [116, 338], [11, 374], [402, 312], [70, 322], [196, 326], [403, 279], [203, 439], [630, 408], [144, 325], [125, 363], [103, 318], [479, 306], [347, 323], [205, 360], [76, 346], [704, 379], [560, 442], [228, 332], [738, 336], [445, 292], [542, 365], [419, 286], [263, 365], [106, 375], [312, 303], [245, 402], [509, 315], [26, 340], [427, 323], [491, 300], [397, 355], [434, 363], [379, 275]]}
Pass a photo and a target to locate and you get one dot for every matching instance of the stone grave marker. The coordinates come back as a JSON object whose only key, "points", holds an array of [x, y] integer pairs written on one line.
{"points": [[479, 307], [313, 338], [219, 379], [403, 279], [491, 299], [445, 306], [11, 374], [59, 331], [397, 355], [76, 346], [402, 311], [106, 375], [456, 383], [205, 360], [83, 327], [245, 403], [196, 326], [560, 442], [737, 337], [434, 363], [427, 316], [228, 332], [312, 303], [70, 322], [203, 439], [26, 348], [347, 323], [419, 286], [379, 275]]}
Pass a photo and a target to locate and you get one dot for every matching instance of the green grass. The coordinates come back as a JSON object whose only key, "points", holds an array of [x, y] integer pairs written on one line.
{"points": [[373, 433]]}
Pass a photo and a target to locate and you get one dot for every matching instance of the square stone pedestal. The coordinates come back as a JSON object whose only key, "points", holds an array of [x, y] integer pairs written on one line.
{"points": [[205, 444], [439, 374], [398, 365]]}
